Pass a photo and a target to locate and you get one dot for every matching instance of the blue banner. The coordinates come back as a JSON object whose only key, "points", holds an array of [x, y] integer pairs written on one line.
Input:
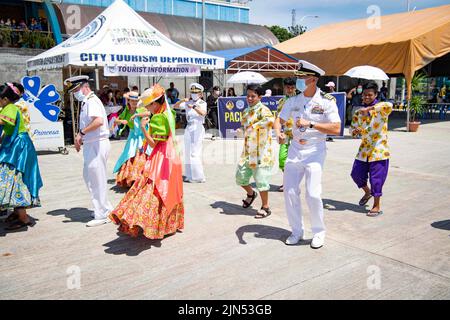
{"points": [[230, 112]]}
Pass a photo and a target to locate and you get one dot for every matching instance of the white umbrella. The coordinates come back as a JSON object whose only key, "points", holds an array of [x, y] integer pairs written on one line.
{"points": [[367, 72], [247, 77]]}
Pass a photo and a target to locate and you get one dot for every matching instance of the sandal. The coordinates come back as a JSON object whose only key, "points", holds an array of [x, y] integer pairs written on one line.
{"points": [[19, 225], [247, 204], [263, 213], [374, 213], [364, 200]]}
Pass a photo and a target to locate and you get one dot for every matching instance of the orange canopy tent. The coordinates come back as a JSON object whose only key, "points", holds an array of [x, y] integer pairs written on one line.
{"points": [[399, 44]]}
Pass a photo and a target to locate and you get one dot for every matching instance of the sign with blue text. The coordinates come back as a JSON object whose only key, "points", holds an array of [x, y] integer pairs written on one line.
{"points": [[230, 112]]}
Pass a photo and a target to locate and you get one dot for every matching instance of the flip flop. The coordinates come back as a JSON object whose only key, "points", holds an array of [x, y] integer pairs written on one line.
{"points": [[261, 215], [364, 200], [374, 214], [247, 204]]}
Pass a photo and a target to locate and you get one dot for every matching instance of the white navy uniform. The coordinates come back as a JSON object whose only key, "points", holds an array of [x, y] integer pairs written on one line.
{"points": [[306, 158], [96, 148], [193, 141]]}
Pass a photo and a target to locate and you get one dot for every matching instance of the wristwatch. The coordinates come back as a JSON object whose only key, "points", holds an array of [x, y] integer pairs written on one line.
{"points": [[311, 124], [82, 133]]}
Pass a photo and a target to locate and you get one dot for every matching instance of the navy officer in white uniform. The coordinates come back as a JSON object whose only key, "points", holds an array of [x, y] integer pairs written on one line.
{"points": [[315, 115], [94, 136]]}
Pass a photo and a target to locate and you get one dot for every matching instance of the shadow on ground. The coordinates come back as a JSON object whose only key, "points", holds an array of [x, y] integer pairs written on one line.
{"points": [[130, 246], [233, 209], [81, 215], [443, 224], [266, 232], [118, 189], [335, 205], [4, 224]]}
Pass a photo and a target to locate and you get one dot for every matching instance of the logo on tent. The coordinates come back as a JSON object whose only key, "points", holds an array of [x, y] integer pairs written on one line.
{"points": [[86, 33]]}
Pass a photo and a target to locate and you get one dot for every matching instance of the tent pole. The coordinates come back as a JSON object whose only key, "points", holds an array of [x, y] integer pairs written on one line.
{"points": [[72, 107], [337, 84], [225, 81], [97, 80]]}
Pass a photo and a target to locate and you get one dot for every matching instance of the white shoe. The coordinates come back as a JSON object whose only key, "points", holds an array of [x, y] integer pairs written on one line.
{"points": [[318, 241], [97, 222], [293, 239]]}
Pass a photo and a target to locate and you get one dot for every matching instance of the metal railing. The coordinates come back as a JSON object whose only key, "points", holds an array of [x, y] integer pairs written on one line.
{"points": [[20, 38]]}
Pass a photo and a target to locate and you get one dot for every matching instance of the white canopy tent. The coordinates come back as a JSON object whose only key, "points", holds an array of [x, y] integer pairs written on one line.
{"points": [[119, 38], [124, 43]]}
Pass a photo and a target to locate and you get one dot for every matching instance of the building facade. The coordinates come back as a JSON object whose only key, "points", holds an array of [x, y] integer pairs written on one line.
{"points": [[215, 10]]}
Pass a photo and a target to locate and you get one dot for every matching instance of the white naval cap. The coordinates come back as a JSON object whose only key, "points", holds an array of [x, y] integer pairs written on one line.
{"points": [[196, 87], [306, 68], [70, 84]]}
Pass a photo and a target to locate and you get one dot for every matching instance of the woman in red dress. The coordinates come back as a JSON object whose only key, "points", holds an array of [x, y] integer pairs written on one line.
{"points": [[154, 204]]}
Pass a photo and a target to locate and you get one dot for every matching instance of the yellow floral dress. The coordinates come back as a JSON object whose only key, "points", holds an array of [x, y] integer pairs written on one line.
{"points": [[374, 146], [258, 122]]}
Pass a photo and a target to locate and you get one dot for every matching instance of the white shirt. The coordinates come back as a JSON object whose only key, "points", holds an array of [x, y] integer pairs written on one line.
{"points": [[92, 107], [321, 108], [191, 114]]}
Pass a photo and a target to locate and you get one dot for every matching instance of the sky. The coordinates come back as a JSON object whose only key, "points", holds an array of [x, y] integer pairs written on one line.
{"points": [[278, 12]]}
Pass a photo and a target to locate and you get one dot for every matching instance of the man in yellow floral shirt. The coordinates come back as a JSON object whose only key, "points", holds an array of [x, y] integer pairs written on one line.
{"points": [[372, 160], [257, 156], [284, 133]]}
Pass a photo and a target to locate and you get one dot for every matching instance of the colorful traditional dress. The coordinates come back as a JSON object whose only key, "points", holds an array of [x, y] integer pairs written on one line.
{"points": [[154, 204], [131, 162], [20, 179], [257, 157]]}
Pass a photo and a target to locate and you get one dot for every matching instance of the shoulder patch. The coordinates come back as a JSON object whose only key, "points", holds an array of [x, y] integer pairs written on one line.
{"points": [[327, 96]]}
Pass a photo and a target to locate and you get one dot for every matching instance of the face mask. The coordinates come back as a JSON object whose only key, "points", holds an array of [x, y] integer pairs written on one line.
{"points": [[79, 96], [194, 96], [359, 90], [301, 85]]}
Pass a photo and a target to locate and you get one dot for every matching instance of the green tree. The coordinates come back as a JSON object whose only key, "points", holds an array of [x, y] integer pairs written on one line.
{"points": [[297, 30], [281, 33]]}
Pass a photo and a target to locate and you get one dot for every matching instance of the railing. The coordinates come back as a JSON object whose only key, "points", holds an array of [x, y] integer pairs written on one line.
{"points": [[17, 38], [439, 110]]}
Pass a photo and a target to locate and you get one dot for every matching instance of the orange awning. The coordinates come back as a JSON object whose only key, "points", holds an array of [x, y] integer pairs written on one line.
{"points": [[399, 44]]}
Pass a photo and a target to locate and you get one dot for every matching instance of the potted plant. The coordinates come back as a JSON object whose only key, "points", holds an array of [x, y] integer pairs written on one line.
{"points": [[417, 107], [5, 35], [417, 102]]}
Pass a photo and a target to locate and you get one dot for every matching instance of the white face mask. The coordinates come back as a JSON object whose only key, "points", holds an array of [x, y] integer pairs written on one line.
{"points": [[194, 96], [79, 96]]}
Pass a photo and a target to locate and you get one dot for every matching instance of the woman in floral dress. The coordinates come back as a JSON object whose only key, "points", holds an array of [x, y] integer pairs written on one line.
{"points": [[131, 162], [257, 157], [154, 204]]}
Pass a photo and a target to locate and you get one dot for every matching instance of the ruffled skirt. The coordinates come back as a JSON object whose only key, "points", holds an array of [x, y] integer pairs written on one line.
{"points": [[13, 191]]}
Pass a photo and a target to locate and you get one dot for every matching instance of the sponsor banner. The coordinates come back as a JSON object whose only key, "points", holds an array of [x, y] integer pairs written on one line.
{"points": [[230, 112], [174, 71], [47, 135], [38, 106]]}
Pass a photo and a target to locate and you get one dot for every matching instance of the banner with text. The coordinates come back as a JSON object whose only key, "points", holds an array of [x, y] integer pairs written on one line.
{"points": [[174, 71], [230, 112]]}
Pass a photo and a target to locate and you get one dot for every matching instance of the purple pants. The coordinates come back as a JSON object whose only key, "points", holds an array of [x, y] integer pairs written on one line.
{"points": [[376, 172]]}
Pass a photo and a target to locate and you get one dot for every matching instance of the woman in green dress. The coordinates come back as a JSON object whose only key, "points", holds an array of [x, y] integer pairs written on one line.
{"points": [[20, 179]]}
